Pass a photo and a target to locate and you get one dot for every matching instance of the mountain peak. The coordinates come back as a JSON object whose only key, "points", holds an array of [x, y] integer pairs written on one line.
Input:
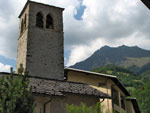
{"points": [[105, 47], [123, 46], [113, 55]]}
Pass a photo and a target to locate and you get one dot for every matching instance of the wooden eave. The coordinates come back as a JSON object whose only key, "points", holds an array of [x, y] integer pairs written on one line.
{"points": [[147, 3]]}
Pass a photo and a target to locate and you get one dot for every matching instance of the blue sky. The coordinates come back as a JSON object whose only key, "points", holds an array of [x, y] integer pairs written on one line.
{"points": [[80, 11], [88, 25], [9, 62], [78, 16]]}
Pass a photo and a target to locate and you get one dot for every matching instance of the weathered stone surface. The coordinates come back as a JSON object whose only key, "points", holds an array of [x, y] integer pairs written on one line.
{"points": [[40, 50], [58, 88]]}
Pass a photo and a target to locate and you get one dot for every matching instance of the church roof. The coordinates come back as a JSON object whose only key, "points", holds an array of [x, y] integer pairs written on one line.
{"points": [[59, 88], [29, 1]]}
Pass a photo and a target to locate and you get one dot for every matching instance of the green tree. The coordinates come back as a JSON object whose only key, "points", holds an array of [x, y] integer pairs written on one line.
{"points": [[126, 77], [145, 76], [143, 96], [15, 94], [83, 108]]}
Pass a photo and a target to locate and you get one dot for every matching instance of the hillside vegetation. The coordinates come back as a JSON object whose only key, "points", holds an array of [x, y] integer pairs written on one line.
{"points": [[138, 86], [139, 62], [126, 77]]}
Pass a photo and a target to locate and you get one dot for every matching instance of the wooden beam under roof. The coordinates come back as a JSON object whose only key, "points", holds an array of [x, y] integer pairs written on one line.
{"points": [[147, 3]]}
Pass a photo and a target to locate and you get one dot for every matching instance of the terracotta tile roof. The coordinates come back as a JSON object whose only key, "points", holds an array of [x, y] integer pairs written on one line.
{"points": [[58, 88]]}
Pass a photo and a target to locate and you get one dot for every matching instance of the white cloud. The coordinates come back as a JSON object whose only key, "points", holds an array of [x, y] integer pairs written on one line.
{"points": [[136, 39], [9, 24], [104, 22], [4, 68], [81, 52], [112, 23]]}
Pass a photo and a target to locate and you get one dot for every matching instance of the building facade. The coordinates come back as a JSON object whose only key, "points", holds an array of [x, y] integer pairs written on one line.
{"points": [[108, 84], [40, 42], [41, 51]]}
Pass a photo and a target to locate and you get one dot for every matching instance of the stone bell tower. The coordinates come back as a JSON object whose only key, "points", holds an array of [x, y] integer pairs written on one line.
{"points": [[40, 42]]}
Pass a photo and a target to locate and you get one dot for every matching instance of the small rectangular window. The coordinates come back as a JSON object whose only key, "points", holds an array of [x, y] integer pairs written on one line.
{"points": [[102, 84], [122, 102], [115, 97]]}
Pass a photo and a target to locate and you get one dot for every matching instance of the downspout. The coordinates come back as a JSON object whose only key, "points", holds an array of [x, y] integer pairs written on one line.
{"points": [[107, 91], [102, 100], [101, 105], [44, 105], [112, 94]]}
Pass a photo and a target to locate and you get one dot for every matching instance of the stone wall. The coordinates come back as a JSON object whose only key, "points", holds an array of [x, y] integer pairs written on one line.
{"points": [[23, 40], [44, 51]]}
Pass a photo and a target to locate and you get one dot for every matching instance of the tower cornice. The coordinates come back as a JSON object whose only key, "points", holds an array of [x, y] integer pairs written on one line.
{"points": [[29, 1]]}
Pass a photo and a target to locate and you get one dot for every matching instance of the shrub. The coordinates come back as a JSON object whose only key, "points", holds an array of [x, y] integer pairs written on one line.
{"points": [[15, 95], [83, 108]]}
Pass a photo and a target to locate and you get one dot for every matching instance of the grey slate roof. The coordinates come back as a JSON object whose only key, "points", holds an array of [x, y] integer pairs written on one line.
{"points": [[58, 88]]}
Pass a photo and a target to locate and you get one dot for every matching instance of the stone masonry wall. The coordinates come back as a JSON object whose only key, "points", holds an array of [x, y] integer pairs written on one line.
{"points": [[22, 40], [44, 52], [45, 46]]}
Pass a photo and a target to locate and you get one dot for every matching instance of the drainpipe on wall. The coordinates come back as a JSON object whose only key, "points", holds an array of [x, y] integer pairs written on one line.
{"points": [[112, 86], [102, 100], [44, 105], [107, 80]]}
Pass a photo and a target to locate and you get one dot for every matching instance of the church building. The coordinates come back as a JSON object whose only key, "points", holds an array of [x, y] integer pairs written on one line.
{"points": [[41, 51]]}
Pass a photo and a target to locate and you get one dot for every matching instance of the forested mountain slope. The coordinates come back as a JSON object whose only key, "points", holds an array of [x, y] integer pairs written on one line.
{"points": [[123, 56]]}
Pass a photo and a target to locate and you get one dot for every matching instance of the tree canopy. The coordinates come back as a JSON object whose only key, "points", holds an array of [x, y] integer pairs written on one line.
{"points": [[15, 94]]}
